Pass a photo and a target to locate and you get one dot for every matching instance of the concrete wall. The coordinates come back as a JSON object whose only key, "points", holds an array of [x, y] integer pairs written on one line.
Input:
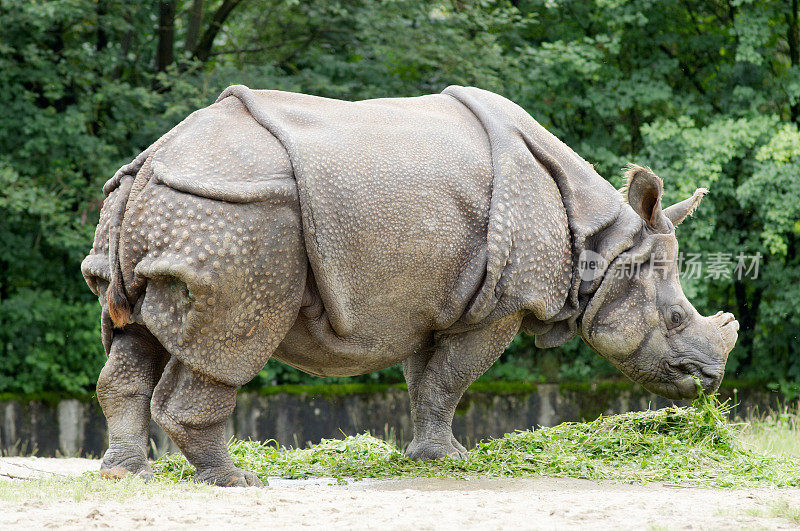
{"points": [[73, 427]]}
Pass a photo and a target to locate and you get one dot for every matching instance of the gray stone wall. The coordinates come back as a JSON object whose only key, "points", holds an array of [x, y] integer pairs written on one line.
{"points": [[73, 427]]}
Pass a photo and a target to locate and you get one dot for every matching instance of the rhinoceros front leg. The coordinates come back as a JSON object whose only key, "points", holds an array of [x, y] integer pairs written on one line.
{"points": [[192, 409], [135, 362], [436, 381]]}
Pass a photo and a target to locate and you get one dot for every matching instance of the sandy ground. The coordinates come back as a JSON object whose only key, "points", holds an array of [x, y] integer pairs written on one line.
{"points": [[529, 503]]}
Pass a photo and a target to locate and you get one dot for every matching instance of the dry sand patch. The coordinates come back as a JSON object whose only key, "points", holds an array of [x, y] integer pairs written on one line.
{"points": [[419, 503]]}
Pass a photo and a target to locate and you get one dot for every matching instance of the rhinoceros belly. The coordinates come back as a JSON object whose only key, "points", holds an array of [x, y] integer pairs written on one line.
{"points": [[393, 318]]}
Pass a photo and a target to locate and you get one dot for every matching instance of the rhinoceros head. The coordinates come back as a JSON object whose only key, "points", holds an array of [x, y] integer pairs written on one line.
{"points": [[639, 318]]}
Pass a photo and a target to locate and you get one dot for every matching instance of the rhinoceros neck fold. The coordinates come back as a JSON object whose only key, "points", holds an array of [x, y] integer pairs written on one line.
{"points": [[548, 232]]}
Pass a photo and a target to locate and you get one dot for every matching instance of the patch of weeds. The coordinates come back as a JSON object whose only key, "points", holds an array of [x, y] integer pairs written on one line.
{"points": [[692, 446], [779, 509], [783, 509], [776, 432]]}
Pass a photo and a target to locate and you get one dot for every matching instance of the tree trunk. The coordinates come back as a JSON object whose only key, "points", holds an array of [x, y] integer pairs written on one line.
{"points": [[102, 36], [793, 37], [193, 28], [166, 35], [203, 50]]}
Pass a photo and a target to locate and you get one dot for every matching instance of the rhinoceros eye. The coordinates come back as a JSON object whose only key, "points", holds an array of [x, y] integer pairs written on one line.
{"points": [[676, 316]]}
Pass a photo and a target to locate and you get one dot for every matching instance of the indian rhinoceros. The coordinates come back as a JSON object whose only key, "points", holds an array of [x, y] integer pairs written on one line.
{"points": [[345, 237]]}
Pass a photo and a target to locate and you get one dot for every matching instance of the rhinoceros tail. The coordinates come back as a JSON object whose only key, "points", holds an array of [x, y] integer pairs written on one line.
{"points": [[118, 305]]}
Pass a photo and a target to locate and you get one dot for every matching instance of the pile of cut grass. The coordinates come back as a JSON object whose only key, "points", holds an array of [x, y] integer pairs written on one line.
{"points": [[693, 446]]}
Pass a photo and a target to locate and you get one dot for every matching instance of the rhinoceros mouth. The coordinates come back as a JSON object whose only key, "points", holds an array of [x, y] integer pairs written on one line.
{"points": [[686, 379], [683, 388]]}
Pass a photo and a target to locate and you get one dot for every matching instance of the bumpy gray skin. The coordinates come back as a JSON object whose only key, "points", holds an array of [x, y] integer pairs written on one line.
{"points": [[344, 237]]}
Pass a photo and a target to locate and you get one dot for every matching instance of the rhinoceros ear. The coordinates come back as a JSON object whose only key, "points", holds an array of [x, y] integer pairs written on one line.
{"points": [[680, 211], [643, 193]]}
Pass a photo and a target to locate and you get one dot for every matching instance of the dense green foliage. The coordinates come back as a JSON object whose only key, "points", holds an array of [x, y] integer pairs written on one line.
{"points": [[694, 446], [707, 93]]}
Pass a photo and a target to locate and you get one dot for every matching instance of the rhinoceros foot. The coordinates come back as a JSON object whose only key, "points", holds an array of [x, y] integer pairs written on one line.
{"points": [[118, 473], [431, 450], [228, 477], [119, 462]]}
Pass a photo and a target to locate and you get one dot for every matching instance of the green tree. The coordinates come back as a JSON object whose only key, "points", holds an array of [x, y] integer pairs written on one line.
{"points": [[707, 93]]}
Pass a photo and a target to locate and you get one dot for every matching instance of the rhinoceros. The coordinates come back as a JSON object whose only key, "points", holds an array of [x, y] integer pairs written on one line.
{"points": [[344, 237]]}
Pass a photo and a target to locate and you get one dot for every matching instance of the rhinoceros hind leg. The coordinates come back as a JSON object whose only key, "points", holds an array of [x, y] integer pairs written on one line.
{"points": [[192, 409], [135, 362], [437, 379]]}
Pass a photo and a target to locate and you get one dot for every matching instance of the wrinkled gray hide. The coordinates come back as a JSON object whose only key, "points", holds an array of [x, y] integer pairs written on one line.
{"points": [[344, 237]]}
